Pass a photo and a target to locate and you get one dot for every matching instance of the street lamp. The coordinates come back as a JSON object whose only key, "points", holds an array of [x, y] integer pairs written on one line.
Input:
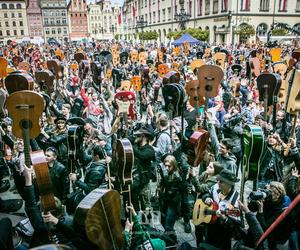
{"points": [[182, 16], [141, 24]]}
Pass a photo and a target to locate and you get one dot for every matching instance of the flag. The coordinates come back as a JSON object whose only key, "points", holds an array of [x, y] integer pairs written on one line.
{"points": [[282, 5], [224, 5], [245, 4], [120, 18], [133, 11]]}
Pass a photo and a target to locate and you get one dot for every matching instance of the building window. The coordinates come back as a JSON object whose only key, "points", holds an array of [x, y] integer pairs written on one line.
{"points": [[53, 32], [5, 15], [282, 6], [215, 6], [22, 32], [20, 15], [13, 15], [47, 32], [245, 5], [190, 7], [6, 24], [164, 15], [224, 5], [264, 5], [59, 31], [11, 6], [14, 23], [19, 6], [8, 32], [207, 7], [1, 33], [15, 32], [4, 6], [21, 23], [298, 6]]}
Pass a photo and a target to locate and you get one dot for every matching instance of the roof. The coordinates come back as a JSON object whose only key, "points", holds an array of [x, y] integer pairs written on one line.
{"points": [[186, 38]]}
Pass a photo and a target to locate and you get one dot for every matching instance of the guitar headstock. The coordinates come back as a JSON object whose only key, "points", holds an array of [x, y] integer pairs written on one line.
{"points": [[136, 82], [192, 88], [162, 69]]}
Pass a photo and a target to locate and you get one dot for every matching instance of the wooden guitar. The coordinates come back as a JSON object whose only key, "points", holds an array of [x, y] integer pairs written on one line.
{"points": [[203, 213], [83, 69], [219, 59], [100, 214], [56, 68], [125, 101], [255, 66], [25, 108], [17, 81], [45, 79], [196, 64], [124, 160], [3, 67]]}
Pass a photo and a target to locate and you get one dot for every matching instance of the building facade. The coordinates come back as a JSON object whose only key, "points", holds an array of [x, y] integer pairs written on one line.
{"points": [[55, 19], [103, 20], [220, 17], [13, 20], [34, 17], [77, 13]]}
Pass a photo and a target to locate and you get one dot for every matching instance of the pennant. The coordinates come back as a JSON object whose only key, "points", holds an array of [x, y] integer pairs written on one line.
{"points": [[133, 11], [282, 5]]}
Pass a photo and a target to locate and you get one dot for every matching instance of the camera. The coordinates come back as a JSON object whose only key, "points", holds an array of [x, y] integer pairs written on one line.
{"points": [[255, 196]]}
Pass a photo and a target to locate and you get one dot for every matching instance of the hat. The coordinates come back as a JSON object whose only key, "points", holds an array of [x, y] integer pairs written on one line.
{"points": [[228, 177], [147, 131], [158, 244], [60, 118], [218, 167]]}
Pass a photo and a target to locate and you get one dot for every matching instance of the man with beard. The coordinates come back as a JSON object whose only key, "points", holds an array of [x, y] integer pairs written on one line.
{"points": [[144, 154]]}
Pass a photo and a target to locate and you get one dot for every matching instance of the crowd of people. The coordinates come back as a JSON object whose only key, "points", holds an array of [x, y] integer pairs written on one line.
{"points": [[164, 178]]}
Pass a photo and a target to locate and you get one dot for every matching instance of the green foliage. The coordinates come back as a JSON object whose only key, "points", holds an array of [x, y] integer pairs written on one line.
{"points": [[279, 32], [202, 35], [117, 36], [148, 35], [245, 32]]}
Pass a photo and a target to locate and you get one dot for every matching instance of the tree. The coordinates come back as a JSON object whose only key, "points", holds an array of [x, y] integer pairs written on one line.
{"points": [[117, 36], [245, 32], [279, 32], [148, 35], [202, 35]]}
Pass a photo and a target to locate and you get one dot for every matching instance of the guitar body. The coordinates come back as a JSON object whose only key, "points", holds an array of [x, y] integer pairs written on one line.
{"points": [[84, 68], [293, 104], [75, 136], [99, 213], [171, 77], [18, 81], [55, 67], [253, 150], [210, 77], [193, 90], [175, 99], [125, 101], [45, 79], [195, 64], [136, 82], [78, 57], [199, 213], [219, 59], [268, 82], [3, 112], [255, 66], [196, 147], [17, 103], [3, 67], [43, 181], [280, 68]]}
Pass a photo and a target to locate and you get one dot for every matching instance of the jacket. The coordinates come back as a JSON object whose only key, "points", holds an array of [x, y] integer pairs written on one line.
{"points": [[94, 177], [59, 141], [229, 161], [60, 182], [205, 184]]}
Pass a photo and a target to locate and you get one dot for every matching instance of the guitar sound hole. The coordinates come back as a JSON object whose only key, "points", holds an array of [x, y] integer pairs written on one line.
{"points": [[25, 124], [208, 88]]}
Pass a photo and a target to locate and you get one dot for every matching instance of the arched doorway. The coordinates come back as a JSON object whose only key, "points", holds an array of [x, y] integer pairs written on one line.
{"points": [[262, 29]]}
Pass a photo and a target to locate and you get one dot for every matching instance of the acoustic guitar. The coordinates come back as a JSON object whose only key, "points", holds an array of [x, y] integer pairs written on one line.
{"points": [[25, 108], [196, 64], [3, 67], [100, 214], [125, 101], [55, 67], [203, 213], [219, 59], [17, 81], [45, 79]]}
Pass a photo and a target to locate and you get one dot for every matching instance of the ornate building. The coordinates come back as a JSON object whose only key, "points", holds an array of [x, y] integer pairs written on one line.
{"points": [[77, 12], [34, 17], [103, 20], [13, 21], [55, 19], [220, 17]]}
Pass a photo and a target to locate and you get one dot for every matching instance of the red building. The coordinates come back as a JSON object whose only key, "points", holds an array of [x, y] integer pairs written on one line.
{"points": [[34, 17], [77, 11]]}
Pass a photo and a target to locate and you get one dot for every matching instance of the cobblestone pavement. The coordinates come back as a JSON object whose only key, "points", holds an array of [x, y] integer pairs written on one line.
{"points": [[179, 225]]}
